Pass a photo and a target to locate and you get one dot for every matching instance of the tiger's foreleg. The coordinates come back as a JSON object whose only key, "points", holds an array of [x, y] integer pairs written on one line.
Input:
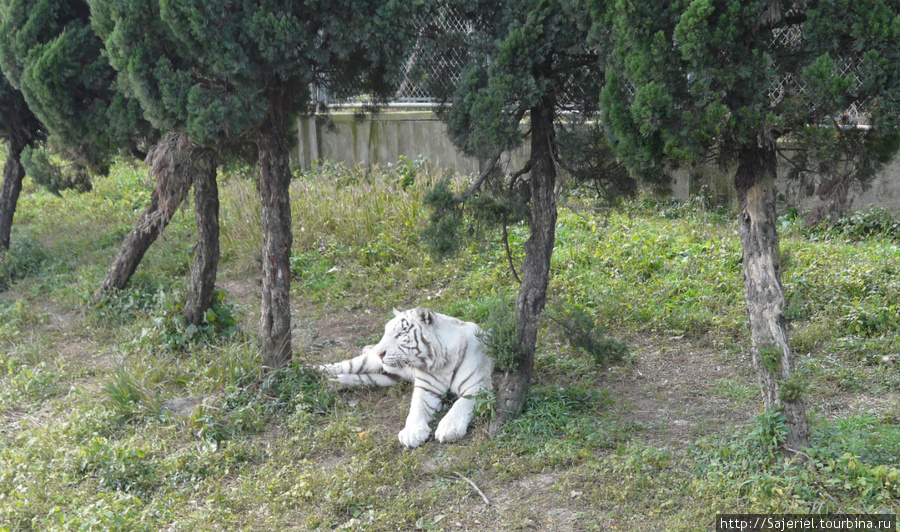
{"points": [[426, 401], [456, 422]]}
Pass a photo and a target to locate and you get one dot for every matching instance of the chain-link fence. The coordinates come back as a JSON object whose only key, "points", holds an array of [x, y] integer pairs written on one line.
{"points": [[789, 85], [432, 71]]}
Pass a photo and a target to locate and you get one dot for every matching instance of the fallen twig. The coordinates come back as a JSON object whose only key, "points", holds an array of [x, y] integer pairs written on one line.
{"points": [[475, 487]]}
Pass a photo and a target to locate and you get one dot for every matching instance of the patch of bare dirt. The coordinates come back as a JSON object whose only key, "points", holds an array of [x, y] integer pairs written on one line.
{"points": [[670, 390], [336, 335]]}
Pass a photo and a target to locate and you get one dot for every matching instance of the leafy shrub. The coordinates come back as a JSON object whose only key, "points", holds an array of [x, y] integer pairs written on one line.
{"points": [[141, 296], [53, 176], [848, 461], [172, 333], [441, 237], [406, 171], [558, 421], [247, 409], [500, 331], [118, 466], [134, 388], [873, 222]]}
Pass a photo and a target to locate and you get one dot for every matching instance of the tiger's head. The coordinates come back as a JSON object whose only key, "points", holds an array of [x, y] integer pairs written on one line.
{"points": [[409, 341]]}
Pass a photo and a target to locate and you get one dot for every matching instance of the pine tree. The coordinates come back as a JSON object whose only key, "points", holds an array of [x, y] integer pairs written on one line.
{"points": [[49, 52], [236, 74], [738, 82], [19, 128], [529, 62], [53, 65]]}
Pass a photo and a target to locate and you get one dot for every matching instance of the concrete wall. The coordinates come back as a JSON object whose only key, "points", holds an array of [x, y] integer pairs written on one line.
{"points": [[384, 138], [884, 191]]}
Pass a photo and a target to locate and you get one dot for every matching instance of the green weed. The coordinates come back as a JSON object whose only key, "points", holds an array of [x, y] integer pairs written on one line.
{"points": [[95, 446], [135, 388], [170, 332]]}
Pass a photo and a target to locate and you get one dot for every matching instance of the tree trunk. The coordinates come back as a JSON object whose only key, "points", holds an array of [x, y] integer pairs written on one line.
{"points": [[535, 274], [274, 195], [13, 174], [206, 252], [164, 202], [764, 293], [148, 228]]}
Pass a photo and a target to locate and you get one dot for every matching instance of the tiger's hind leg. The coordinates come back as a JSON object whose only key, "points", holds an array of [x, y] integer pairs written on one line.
{"points": [[364, 370], [366, 363], [349, 380]]}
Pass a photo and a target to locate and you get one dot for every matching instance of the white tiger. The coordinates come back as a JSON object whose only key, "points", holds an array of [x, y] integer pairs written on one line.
{"points": [[436, 352]]}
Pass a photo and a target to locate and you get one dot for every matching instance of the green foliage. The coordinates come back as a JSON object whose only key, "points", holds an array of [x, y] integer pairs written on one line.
{"points": [[662, 275], [260, 56], [406, 171], [118, 466], [170, 332], [692, 80], [51, 175], [792, 389], [456, 219], [133, 389], [26, 258], [873, 222], [18, 125], [770, 357], [586, 155], [141, 295], [501, 332], [582, 333], [749, 470], [795, 309], [50, 53], [442, 234], [247, 409], [559, 423]]}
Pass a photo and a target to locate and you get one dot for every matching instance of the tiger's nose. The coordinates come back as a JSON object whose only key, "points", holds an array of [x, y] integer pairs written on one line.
{"points": [[381, 354]]}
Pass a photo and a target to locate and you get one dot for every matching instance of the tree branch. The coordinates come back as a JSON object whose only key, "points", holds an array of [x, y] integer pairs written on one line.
{"points": [[520, 114], [791, 162], [512, 266], [482, 177], [515, 176]]}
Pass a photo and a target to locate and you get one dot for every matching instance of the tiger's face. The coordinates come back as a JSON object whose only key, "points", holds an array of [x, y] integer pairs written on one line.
{"points": [[405, 342]]}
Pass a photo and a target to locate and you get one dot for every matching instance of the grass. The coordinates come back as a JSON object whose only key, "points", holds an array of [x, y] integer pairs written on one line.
{"points": [[118, 417]]}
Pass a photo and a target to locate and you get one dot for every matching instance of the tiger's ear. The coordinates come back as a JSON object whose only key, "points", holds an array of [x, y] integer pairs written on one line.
{"points": [[396, 312], [425, 315]]}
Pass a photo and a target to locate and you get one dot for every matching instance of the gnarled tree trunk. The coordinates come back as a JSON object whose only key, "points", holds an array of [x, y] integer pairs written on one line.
{"points": [[169, 162], [206, 252], [13, 174], [513, 388], [274, 196], [764, 292]]}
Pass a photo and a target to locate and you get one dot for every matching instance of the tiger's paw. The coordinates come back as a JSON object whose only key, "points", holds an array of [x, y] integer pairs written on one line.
{"points": [[414, 436], [449, 430]]}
